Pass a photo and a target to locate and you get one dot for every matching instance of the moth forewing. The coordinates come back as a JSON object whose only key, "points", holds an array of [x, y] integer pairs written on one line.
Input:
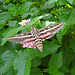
{"points": [[20, 37], [52, 30]]}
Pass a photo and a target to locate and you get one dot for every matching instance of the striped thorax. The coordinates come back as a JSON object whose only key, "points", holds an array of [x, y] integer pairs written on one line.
{"points": [[35, 32]]}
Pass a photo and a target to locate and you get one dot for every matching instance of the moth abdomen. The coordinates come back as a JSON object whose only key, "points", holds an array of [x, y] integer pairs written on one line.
{"points": [[39, 44]]}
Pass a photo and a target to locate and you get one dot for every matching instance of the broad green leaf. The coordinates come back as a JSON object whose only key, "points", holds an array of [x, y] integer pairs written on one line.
{"points": [[5, 31], [36, 71], [23, 7], [47, 17], [13, 13], [73, 71], [12, 23], [22, 62], [71, 17], [36, 62], [1, 8], [2, 0], [72, 43], [51, 47], [4, 16], [70, 1], [7, 57], [59, 37], [43, 24], [7, 1], [64, 69], [68, 16], [11, 7], [56, 61], [45, 61], [68, 55], [10, 72], [0, 40], [26, 14], [53, 72], [61, 2], [49, 4], [58, 73]]}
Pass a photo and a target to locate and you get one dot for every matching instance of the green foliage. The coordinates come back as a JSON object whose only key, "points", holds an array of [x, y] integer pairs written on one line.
{"points": [[58, 56]]}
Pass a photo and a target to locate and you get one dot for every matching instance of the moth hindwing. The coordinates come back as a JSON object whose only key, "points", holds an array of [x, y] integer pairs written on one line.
{"points": [[37, 36]]}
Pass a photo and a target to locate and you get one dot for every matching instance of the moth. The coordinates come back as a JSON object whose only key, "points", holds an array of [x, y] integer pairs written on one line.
{"points": [[37, 36]]}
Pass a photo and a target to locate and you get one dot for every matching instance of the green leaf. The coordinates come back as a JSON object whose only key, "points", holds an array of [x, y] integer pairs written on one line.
{"points": [[23, 7], [49, 4], [68, 55], [4, 16], [64, 69], [73, 71], [68, 16], [70, 1], [54, 72], [10, 72], [72, 43], [12, 23], [2, 0], [11, 7], [61, 2], [51, 47], [56, 61], [36, 71], [59, 37], [26, 14], [36, 62], [13, 13], [22, 62], [7, 57], [58, 73]]}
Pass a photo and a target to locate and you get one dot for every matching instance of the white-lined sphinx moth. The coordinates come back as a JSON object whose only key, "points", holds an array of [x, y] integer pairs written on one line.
{"points": [[37, 36]]}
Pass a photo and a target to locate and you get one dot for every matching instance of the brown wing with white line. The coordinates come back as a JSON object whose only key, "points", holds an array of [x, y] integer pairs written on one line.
{"points": [[50, 31], [20, 37]]}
